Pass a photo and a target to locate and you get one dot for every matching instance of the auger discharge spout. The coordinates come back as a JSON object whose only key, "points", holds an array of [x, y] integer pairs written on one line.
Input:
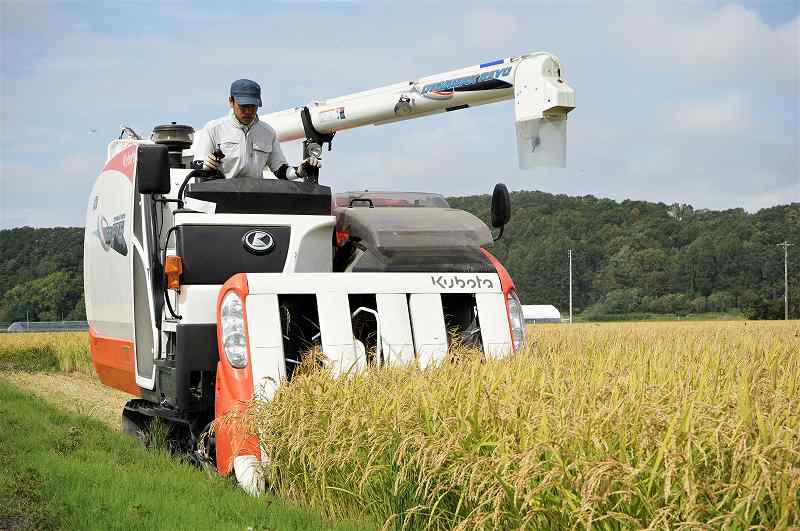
{"points": [[535, 81]]}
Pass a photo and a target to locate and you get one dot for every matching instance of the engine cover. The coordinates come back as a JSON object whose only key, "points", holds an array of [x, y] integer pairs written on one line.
{"points": [[213, 253]]}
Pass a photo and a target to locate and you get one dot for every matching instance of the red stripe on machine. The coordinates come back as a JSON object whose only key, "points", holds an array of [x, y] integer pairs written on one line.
{"points": [[113, 362], [124, 162]]}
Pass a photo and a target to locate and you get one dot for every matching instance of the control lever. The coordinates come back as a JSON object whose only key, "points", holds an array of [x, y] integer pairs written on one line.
{"points": [[218, 153], [201, 175], [312, 149]]}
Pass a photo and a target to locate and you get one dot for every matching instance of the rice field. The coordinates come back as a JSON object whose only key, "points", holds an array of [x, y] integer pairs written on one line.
{"points": [[61, 351], [658, 425], [603, 426]]}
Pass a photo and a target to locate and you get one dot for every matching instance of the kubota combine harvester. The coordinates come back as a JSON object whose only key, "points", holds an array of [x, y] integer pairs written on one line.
{"points": [[204, 292]]}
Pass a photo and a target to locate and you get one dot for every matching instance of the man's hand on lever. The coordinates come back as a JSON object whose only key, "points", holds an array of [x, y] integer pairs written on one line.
{"points": [[214, 160], [311, 162], [302, 171]]}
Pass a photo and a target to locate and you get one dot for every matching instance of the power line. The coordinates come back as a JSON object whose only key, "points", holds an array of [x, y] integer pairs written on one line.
{"points": [[785, 246]]}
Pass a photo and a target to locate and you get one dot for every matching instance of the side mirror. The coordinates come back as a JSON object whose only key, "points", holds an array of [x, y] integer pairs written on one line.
{"points": [[152, 169], [501, 206]]}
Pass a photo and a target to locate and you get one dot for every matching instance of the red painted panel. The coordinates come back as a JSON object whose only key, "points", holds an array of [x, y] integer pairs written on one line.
{"points": [[124, 162], [113, 362], [505, 282], [234, 388], [505, 279]]}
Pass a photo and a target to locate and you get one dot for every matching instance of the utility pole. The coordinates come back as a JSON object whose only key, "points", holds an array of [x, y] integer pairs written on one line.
{"points": [[570, 286], [785, 246]]}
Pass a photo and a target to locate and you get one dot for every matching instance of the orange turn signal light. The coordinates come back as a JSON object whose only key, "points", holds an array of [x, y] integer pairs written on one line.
{"points": [[341, 237], [173, 268]]}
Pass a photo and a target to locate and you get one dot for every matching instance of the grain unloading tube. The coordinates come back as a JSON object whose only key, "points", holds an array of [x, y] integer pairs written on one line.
{"points": [[535, 81], [409, 318]]}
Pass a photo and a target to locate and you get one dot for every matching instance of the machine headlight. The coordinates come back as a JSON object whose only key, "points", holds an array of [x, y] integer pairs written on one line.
{"points": [[234, 342], [516, 319]]}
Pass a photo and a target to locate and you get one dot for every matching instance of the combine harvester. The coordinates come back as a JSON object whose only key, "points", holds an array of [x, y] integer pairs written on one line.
{"points": [[204, 292]]}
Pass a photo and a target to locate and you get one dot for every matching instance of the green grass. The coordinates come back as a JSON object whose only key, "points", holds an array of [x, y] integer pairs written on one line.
{"points": [[62, 471]]}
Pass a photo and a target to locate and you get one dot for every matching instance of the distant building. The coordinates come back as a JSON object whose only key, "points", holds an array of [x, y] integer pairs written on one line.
{"points": [[47, 326], [540, 313]]}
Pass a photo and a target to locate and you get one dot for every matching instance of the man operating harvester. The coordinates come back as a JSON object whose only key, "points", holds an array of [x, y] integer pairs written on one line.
{"points": [[249, 144]]}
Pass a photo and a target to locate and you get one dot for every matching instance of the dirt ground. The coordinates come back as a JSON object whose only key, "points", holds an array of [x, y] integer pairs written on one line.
{"points": [[74, 392]]}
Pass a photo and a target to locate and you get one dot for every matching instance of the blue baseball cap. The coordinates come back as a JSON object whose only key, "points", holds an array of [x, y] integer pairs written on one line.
{"points": [[246, 92]]}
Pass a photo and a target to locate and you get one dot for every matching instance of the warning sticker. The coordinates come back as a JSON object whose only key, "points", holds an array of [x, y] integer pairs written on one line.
{"points": [[332, 114]]}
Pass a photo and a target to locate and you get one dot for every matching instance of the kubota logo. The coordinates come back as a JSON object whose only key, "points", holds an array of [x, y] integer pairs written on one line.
{"points": [[454, 282], [258, 241]]}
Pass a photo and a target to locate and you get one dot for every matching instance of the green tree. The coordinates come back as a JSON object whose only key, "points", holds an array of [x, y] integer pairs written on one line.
{"points": [[721, 301], [698, 305], [623, 300], [51, 298]]}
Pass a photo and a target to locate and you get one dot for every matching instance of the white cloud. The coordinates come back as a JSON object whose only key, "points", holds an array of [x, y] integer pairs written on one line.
{"points": [[53, 195], [503, 24], [730, 43], [725, 114]]}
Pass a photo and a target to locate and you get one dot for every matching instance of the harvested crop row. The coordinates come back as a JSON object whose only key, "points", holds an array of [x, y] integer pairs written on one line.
{"points": [[42, 351], [650, 425]]}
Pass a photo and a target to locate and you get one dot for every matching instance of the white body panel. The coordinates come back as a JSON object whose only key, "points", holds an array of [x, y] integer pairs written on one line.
{"points": [[108, 234], [427, 324], [338, 343], [408, 330], [396, 336], [117, 241], [266, 344], [374, 283], [197, 304], [495, 330]]}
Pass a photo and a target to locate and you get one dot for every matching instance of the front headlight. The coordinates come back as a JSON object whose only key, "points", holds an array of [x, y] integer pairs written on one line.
{"points": [[234, 342], [516, 319]]}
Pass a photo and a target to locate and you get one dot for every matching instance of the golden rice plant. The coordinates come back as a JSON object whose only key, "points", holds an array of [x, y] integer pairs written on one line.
{"points": [[64, 351], [662, 425]]}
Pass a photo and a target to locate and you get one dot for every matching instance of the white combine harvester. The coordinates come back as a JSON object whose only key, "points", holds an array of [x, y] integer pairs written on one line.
{"points": [[204, 292]]}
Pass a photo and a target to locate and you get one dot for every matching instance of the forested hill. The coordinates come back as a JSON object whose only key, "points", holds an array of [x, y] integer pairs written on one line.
{"points": [[635, 256], [41, 274], [629, 256]]}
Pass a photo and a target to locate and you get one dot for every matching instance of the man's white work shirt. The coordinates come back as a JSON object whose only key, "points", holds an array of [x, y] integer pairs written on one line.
{"points": [[248, 148]]}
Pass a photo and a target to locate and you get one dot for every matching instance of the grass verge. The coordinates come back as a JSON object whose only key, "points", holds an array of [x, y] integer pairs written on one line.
{"points": [[62, 471]]}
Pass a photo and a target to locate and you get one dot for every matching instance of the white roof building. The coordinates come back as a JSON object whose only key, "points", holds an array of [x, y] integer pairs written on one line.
{"points": [[541, 313]]}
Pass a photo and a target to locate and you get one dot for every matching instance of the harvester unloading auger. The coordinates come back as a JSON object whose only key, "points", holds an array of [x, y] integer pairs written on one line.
{"points": [[203, 292]]}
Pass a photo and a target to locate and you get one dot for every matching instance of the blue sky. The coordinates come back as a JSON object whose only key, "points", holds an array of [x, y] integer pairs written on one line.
{"points": [[692, 102]]}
